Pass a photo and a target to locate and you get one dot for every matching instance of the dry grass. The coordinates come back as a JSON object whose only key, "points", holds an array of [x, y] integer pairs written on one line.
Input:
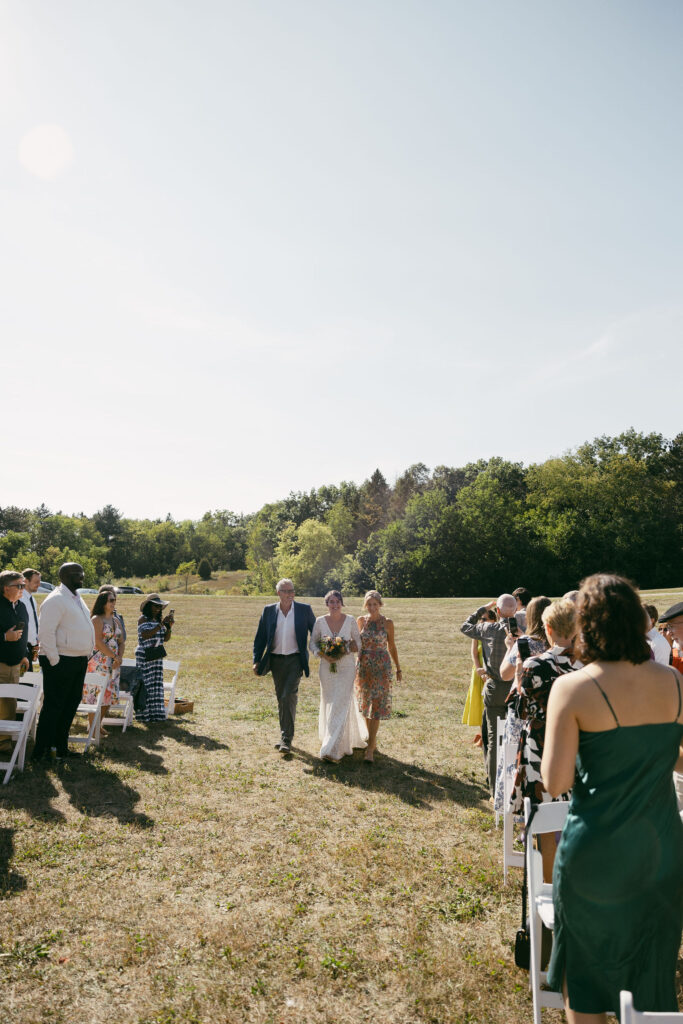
{"points": [[187, 873]]}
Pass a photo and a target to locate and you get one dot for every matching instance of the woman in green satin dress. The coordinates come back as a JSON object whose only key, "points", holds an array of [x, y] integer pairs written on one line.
{"points": [[615, 733]]}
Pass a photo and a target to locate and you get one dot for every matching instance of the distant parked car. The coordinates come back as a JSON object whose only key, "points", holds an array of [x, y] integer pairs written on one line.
{"points": [[129, 590], [86, 590], [45, 587]]}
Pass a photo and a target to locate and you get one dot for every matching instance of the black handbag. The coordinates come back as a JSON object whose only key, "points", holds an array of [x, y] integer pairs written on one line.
{"points": [[523, 936], [155, 653]]}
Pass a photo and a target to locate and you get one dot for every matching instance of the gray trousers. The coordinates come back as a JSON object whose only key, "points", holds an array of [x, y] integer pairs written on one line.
{"points": [[492, 712], [286, 669]]}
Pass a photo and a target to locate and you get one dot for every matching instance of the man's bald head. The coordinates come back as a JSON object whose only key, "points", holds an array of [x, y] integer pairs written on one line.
{"points": [[506, 605], [71, 575]]}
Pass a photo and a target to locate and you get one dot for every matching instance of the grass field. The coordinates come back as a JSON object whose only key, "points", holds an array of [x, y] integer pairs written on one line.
{"points": [[186, 873]]}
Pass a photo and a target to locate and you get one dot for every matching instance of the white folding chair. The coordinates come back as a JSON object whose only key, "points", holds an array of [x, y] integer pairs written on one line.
{"points": [[548, 817], [630, 1016], [27, 696], [511, 858], [500, 753], [93, 733], [33, 680], [169, 688], [125, 705]]}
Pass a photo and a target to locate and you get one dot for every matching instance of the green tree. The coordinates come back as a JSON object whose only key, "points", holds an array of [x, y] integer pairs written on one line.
{"points": [[185, 570], [204, 569], [307, 554]]}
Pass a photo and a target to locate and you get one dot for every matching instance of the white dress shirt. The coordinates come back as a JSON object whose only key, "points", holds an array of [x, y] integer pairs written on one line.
{"points": [[64, 626], [32, 609], [660, 646], [284, 641]]}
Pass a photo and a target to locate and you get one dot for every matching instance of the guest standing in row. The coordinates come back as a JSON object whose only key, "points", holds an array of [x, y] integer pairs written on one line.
{"points": [[537, 679], [67, 639], [105, 664], [615, 733], [13, 650], [340, 725], [473, 711], [32, 578], [492, 636], [153, 633], [373, 671]]}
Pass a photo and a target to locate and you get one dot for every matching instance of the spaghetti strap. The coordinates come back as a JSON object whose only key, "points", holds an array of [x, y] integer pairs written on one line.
{"points": [[678, 687], [607, 700]]}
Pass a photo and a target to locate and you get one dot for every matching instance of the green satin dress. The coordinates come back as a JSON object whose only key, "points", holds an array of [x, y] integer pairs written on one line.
{"points": [[618, 875]]}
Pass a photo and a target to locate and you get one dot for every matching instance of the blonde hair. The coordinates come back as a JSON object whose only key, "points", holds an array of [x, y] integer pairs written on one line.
{"points": [[369, 596], [561, 617]]}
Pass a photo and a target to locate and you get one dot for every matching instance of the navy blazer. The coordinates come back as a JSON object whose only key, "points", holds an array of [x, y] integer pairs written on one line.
{"points": [[304, 621]]}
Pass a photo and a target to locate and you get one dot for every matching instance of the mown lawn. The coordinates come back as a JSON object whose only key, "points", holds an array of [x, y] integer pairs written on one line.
{"points": [[187, 873]]}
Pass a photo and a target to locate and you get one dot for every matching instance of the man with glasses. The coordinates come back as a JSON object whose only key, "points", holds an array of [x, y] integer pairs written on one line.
{"points": [[13, 633], [281, 647]]}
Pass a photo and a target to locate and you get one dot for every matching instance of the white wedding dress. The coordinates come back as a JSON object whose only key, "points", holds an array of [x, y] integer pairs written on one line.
{"points": [[340, 724]]}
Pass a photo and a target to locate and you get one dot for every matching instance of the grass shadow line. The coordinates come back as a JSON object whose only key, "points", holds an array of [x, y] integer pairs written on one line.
{"points": [[416, 786]]}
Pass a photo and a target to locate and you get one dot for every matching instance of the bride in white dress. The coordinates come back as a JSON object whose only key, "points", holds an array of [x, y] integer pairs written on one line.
{"points": [[340, 724]]}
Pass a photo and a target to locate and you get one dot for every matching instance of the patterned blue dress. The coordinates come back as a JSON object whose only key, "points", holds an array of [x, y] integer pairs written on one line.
{"points": [[152, 673]]}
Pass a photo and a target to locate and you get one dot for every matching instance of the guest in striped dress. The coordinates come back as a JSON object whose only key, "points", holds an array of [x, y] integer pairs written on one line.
{"points": [[153, 631]]}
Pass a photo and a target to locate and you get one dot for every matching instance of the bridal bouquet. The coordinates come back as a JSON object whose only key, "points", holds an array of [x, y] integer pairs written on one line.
{"points": [[334, 647]]}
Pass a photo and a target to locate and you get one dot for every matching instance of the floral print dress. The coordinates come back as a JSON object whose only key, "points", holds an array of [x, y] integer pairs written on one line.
{"points": [[537, 680], [373, 671], [100, 665], [513, 723]]}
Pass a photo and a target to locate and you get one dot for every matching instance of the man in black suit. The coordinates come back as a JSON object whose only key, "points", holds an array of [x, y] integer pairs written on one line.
{"points": [[281, 647]]}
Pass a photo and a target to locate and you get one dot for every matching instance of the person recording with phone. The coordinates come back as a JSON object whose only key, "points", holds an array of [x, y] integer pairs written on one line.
{"points": [[153, 633], [492, 636], [13, 649]]}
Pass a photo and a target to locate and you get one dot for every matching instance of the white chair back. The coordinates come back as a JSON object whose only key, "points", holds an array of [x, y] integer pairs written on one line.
{"points": [[93, 733], [548, 817], [500, 739], [511, 858], [169, 687], [26, 698], [631, 1016]]}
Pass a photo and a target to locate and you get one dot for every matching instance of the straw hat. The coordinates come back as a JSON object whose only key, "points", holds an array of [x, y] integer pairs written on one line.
{"points": [[153, 599]]}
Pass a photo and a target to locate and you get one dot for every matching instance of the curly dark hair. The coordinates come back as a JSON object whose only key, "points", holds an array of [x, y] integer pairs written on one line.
{"points": [[611, 621]]}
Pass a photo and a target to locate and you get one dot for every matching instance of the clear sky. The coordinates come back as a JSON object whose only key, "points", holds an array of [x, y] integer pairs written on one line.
{"points": [[251, 247]]}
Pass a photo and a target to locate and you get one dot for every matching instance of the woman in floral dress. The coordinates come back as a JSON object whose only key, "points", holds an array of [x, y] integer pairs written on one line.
{"points": [[373, 670], [532, 643], [538, 677], [152, 631], [107, 656]]}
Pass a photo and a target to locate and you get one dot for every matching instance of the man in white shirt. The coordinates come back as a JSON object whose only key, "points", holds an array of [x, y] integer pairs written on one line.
{"points": [[281, 647], [67, 639], [32, 577]]}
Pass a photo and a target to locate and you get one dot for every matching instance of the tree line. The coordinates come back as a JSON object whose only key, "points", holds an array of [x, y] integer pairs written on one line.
{"points": [[613, 503]]}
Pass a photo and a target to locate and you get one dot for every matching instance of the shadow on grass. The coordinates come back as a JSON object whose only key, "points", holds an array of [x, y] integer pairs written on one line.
{"points": [[140, 743], [414, 785], [99, 792], [10, 882]]}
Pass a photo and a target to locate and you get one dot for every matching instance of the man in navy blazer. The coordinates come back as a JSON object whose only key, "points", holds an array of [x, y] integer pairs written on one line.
{"points": [[281, 647]]}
